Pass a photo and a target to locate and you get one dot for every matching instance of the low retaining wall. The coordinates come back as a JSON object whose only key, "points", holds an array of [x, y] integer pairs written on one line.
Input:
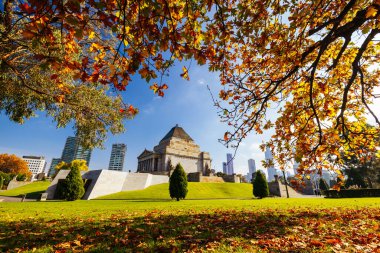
{"points": [[198, 177], [15, 184], [105, 182]]}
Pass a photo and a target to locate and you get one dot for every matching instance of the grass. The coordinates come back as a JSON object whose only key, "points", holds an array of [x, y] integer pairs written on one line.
{"points": [[196, 191], [32, 191], [222, 225], [214, 217]]}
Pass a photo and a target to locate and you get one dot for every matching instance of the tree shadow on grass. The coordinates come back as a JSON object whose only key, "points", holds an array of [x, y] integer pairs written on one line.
{"points": [[162, 232]]}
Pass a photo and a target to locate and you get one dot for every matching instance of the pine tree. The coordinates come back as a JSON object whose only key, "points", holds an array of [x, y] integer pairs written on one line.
{"points": [[260, 186], [323, 186], [73, 187], [178, 183]]}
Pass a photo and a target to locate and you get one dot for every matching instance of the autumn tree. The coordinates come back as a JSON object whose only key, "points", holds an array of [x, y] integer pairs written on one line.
{"points": [[73, 58], [260, 185], [178, 183], [311, 62], [12, 164]]}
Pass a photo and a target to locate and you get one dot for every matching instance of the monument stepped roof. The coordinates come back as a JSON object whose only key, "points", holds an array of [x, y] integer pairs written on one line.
{"points": [[177, 132]]}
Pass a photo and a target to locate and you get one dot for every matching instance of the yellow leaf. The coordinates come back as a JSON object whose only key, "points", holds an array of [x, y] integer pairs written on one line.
{"points": [[91, 35]]}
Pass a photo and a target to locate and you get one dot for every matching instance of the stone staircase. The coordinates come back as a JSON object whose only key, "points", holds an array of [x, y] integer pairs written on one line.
{"points": [[292, 193]]}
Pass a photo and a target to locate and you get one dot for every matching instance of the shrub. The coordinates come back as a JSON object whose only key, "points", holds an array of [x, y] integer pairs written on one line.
{"points": [[323, 186], [1, 182], [6, 178], [353, 193], [260, 186], [21, 177], [73, 188], [178, 183]]}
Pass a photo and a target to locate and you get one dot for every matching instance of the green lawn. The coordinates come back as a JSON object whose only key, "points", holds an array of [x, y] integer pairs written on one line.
{"points": [[196, 191], [32, 191], [222, 225]]}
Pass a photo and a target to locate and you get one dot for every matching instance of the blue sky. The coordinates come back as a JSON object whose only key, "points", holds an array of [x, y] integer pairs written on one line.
{"points": [[187, 103]]}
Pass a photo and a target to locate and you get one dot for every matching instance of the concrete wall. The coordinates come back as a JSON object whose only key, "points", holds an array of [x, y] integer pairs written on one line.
{"points": [[104, 182], [14, 184], [139, 181], [158, 179], [190, 165], [198, 177], [274, 188], [62, 174]]}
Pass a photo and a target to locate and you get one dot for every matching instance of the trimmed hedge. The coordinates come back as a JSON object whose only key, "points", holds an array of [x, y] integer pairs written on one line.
{"points": [[352, 193]]}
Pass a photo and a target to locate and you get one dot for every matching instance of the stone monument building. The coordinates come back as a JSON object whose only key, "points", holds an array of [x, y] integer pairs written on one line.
{"points": [[176, 147]]}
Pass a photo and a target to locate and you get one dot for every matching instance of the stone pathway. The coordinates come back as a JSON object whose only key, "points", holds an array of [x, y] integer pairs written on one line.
{"points": [[14, 199]]}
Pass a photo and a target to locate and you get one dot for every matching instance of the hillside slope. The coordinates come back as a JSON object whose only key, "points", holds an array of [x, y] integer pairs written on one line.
{"points": [[196, 191], [32, 191]]}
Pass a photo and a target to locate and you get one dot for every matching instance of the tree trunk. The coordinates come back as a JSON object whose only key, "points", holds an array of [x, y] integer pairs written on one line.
{"points": [[177, 199], [286, 185]]}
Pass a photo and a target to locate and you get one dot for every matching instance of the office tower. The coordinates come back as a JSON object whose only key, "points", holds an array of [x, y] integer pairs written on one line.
{"points": [[73, 151], [271, 170], [251, 169], [117, 157], [36, 164], [230, 164], [54, 162], [225, 168]]}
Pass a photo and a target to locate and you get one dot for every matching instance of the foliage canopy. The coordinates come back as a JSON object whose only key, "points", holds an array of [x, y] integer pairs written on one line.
{"points": [[12, 164], [315, 60]]}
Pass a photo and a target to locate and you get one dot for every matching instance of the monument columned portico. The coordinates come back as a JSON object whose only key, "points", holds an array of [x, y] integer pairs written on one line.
{"points": [[176, 147]]}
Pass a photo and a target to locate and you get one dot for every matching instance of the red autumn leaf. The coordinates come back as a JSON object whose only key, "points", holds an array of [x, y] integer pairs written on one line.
{"points": [[54, 76], [316, 243], [226, 136], [26, 8]]}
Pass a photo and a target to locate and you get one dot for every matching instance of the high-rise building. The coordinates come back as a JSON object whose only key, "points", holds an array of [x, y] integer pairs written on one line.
{"points": [[230, 164], [271, 170], [73, 151], [117, 157], [54, 162], [36, 164], [225, 168], [251, 169]]}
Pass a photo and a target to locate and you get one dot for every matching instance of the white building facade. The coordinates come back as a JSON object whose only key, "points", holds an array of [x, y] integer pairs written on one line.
{"points": [[36, 164]]}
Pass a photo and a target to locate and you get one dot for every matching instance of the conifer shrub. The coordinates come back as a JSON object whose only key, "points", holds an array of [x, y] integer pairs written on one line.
{"points": [[73, 187], [260, 186], [178, 183]]}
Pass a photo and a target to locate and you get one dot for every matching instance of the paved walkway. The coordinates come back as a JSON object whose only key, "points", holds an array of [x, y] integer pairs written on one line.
{"points": [[14, 199]]}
